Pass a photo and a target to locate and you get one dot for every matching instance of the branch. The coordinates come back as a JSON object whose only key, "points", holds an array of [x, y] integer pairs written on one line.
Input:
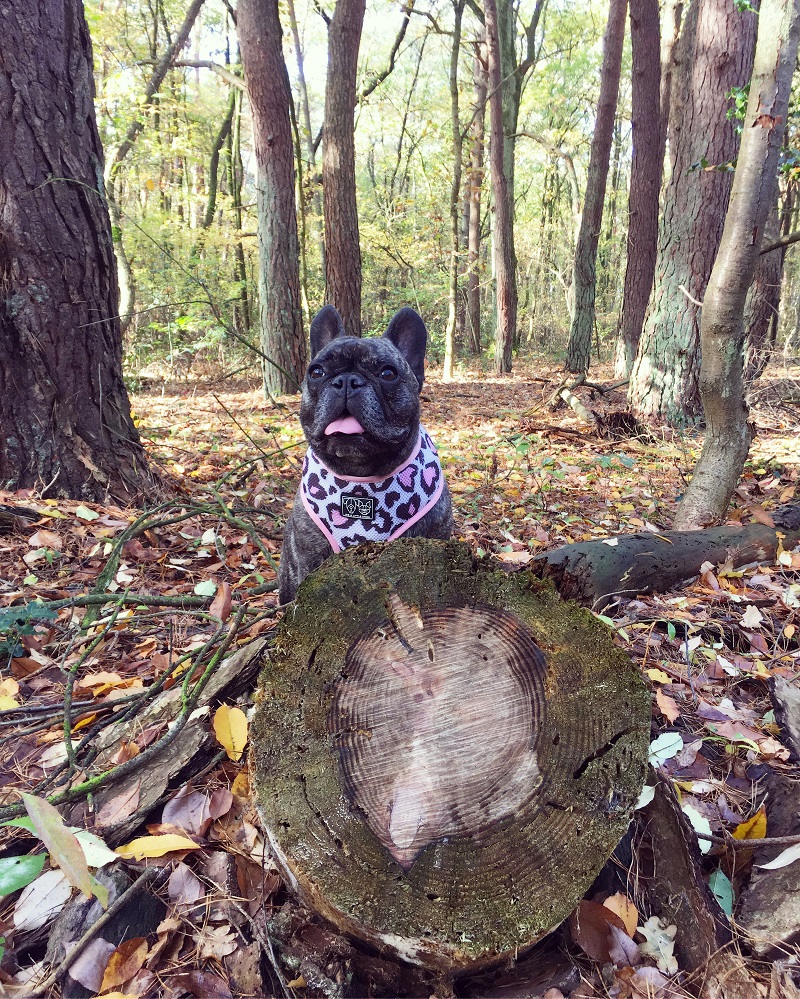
{"points": [[531, 55], [378, 79], [234, 79], [155, 81], [793, 237]]}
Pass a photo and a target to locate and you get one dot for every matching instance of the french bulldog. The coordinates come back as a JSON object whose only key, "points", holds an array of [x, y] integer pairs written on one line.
{"points": [[371, 473]]}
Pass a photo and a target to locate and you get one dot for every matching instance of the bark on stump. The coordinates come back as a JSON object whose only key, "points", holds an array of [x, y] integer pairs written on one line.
{"points": [[445, 754]]}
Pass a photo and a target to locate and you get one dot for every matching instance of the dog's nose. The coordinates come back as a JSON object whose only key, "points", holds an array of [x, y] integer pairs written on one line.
{"points": [[349, 382]]}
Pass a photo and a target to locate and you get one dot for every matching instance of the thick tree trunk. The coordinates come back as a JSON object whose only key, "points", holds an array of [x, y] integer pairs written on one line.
{"points": [[65, 422], [647, 164], [475, 184], [504, 258], [443, 769], [713, 55], [342, 248], [283, 342], [584, 271], [455, 197], [728, 431]]}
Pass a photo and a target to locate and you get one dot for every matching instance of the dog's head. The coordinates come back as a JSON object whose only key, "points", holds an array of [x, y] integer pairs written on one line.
{"points": [[360, 402]]}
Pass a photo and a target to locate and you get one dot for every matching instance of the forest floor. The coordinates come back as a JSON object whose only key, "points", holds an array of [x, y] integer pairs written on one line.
{"points": [[200, 571]]}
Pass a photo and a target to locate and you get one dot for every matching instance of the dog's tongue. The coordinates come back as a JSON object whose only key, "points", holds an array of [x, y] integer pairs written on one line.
{"points": [[344, 425]]}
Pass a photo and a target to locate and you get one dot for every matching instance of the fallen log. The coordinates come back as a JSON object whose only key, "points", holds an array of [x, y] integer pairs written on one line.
{"points": [[595, 572], [445, 754]]}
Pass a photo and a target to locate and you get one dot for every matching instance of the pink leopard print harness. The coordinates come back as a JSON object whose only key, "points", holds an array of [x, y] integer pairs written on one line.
{"points": [[350, 511]]}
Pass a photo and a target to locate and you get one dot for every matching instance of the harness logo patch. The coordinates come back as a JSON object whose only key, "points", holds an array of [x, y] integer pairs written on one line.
{"points": [[357, 507]]}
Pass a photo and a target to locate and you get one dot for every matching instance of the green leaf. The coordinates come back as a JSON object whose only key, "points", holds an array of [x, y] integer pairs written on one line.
{"points": [[671, 631], [722, 890], [207, 588], [18, 872], [84, 513], [65, 850], [20, 824]]}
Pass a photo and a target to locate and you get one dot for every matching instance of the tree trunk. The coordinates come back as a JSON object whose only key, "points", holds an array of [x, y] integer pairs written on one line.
{"points": [[127, 286], [455, 197], [647, 164], [342, 248], [475, 184], [283, 342], [665, 376], [584, 271], [220, 140], [504, 259], [308, 137], [65, 421], [594, 573], [235, 181], [443, 769], [761, 313], [728, 431]]}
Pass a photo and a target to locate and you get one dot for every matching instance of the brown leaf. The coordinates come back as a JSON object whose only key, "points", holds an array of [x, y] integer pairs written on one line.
{"points": [[185, 888], [119, 807], [222, 602], [589, 928], [124, 963], [667, 705]]}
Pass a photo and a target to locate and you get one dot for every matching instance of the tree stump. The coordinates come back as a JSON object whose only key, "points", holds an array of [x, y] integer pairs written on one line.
{"points": [[445, 754]]}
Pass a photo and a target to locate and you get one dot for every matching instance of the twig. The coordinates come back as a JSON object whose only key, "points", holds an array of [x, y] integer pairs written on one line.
{"points": [[691, 299], [116, 906]]}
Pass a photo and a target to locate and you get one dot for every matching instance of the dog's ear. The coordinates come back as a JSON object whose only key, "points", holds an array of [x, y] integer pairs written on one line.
{"points": [[327, 325], [408, 333]]}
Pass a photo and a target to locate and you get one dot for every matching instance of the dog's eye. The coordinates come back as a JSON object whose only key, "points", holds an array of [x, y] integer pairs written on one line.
{"points": [[388, 374], [315, 372]]}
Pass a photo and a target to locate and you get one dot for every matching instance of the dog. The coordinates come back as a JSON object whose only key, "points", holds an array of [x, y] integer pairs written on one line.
{"points": [[371, 472]]}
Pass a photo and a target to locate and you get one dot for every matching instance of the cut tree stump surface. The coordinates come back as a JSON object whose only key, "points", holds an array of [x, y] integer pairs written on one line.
{"points": [[445, 754]]}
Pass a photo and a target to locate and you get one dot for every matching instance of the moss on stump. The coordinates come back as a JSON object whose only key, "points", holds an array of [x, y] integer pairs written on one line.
{"points": [[445, 754]]}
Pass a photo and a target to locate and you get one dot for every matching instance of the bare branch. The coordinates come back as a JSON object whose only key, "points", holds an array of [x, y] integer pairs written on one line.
{"points": [[378, 79]]}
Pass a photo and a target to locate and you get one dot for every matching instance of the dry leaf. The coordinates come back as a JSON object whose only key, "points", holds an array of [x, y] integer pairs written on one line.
{"points": [[230, 728], [667, 705], [155, 846], [753, 828], [625, 909], [126, 961]]}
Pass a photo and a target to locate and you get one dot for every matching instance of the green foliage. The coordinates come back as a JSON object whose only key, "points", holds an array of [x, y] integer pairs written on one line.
{"points": [[15, 622]]}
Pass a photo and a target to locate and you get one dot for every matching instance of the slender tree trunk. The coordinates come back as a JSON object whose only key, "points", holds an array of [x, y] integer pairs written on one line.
{"points": [[283, 342], [235, 180], [213, 167], [308, 136], [728, 431], [116, 158], [584, 272], [342, 248], [647, 164], [763, 299], [455, 197], [665, 375], [503, 207], [475, 184], [65, 420]]}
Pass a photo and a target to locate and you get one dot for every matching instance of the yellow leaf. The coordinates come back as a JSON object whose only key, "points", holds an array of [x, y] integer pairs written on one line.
{"points": [[155, 846], [9, 687], [230, 728], [297, 983], [241, 784], [658, 675], [88, 720], [754, 828], [625, 909]]}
